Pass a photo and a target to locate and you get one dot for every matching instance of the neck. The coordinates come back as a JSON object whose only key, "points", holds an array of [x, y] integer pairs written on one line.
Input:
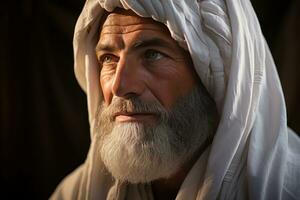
{"points": [[167, 188]]}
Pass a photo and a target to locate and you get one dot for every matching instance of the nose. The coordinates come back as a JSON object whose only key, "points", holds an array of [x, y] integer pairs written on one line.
{"points": [[128, 80]]}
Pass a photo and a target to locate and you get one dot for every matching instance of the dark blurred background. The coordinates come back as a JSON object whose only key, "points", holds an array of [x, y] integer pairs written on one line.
{"points": [[43, 116]]}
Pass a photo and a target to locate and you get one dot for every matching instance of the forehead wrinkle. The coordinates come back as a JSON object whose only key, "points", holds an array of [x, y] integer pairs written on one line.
{"points": [[125, 21], [128, 24], [125, 31], [119, 19]]}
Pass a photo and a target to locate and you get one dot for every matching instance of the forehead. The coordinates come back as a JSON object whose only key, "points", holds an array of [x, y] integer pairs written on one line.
{"points": [[124, 22]]}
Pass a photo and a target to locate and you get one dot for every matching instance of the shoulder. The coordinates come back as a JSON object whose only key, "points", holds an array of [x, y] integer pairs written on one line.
{"points": [[69, 186], [291, 189]]}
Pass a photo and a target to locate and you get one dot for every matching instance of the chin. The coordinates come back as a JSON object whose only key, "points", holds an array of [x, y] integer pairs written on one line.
{"points": [[134, 154]]}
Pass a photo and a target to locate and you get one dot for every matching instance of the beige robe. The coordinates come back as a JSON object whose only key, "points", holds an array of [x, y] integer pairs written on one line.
{"points": [[253, 155]]}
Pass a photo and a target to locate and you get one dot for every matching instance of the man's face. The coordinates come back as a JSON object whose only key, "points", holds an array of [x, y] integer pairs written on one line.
{"points": [[139, 58], [155, 115]]}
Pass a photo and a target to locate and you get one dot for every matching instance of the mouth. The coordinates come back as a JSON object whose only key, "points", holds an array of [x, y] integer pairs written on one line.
{"points": [[135, 117]]}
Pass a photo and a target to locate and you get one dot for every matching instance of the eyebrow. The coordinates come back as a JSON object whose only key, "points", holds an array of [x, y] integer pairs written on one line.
{"points": [[152, 42], [137, 45], [106, 47]]}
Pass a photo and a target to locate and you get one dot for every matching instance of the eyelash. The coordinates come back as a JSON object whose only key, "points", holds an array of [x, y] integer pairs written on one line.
{"points": [[149, 51], [114, 59], [103, 57]]}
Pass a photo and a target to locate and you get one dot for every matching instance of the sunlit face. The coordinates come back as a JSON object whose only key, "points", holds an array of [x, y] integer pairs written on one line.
{"points": [[138, 58], [155, 114]]}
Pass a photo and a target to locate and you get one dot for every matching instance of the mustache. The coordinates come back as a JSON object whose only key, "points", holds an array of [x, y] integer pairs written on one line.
{"points": [[131, 105]]}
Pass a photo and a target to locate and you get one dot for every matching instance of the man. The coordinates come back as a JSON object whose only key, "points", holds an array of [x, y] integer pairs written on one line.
{"points": [[184, 103]]}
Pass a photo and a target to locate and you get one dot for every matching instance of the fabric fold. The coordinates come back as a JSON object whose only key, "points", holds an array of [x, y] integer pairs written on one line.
{"points": [[234, 63]]}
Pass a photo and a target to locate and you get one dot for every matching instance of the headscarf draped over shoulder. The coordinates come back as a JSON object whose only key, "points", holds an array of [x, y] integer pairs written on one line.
{"points": [[234, 63]]}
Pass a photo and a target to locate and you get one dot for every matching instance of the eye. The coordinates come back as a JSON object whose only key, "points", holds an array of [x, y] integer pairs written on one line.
{"points": [[108, 59], [153, 55]]}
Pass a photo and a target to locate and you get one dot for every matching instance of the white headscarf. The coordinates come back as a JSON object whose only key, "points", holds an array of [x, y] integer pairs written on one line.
{"points": [[234, 63]]}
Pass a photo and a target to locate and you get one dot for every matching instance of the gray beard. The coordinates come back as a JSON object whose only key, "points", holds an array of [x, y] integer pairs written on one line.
{"points": [[140, 153]]}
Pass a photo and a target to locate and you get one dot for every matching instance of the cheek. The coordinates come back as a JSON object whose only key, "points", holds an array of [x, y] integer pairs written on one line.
{"points": [[105, 84], [168, 88]]}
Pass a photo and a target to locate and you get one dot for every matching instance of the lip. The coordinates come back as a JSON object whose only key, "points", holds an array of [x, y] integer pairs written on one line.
{"points": [[134, 117]]}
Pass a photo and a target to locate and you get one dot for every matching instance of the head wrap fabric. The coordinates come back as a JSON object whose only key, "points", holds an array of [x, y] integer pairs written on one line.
{"points": [[234, 63]]}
